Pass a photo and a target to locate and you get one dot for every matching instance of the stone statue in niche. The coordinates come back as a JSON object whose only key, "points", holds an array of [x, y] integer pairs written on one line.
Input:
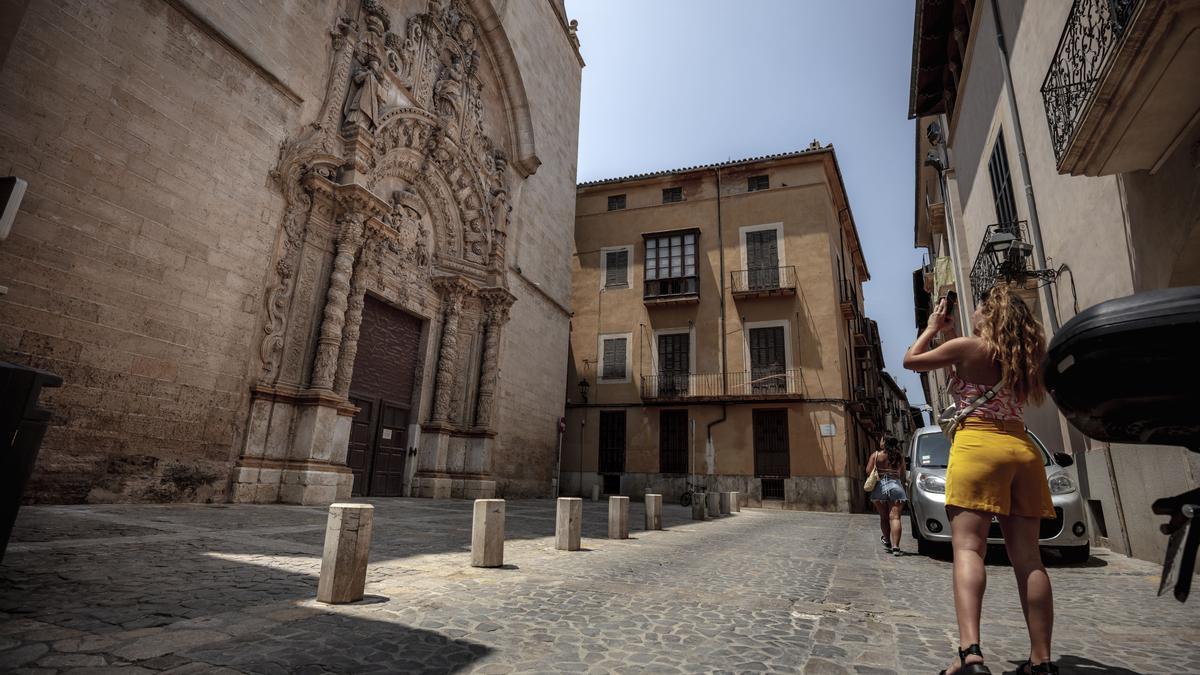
{"points": [[421, 250], [447, 92], [366, 95]]}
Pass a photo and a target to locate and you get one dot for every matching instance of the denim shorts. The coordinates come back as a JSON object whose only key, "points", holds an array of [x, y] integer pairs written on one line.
{"points": [[889, 490]]}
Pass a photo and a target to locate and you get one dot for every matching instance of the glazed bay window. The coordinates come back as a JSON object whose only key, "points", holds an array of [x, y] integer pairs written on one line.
{"points": [[671, 264]]}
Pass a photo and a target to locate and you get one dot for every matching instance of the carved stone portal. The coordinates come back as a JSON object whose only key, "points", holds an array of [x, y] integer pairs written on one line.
{"points": [[394, 189]]}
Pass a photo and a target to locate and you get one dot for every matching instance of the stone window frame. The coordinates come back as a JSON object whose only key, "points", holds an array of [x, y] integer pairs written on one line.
{"points": [[600, 378]]}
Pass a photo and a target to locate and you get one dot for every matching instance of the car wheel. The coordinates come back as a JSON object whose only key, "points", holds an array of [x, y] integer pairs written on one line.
{"points": [[1076, 554]]}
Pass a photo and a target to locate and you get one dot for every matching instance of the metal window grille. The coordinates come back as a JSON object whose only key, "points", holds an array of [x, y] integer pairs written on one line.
{"points": [[1001, 178], [612, 484], [672, 441], [614, 358], [772, 488], [612, 441], [755, 183], [672, 195], [616, 268], [616, 202], [771, 454]]}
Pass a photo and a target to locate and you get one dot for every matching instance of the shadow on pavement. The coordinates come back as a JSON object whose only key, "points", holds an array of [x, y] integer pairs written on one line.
{"points": [[1077, 665]]}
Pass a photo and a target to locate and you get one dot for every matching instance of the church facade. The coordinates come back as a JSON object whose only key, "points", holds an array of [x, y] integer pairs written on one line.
{"points": [[328, 309]]}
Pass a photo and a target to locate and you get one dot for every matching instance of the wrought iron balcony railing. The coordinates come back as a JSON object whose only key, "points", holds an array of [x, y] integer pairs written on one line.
{"points": [[1093, 32], [1004, 253], [771, 382], [763, 281]]}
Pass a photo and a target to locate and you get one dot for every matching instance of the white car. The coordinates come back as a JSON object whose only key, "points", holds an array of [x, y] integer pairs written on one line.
{"points": [[929, 452]]}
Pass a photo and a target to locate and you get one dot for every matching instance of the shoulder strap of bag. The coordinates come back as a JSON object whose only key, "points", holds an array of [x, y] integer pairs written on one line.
{"points": [[979, 400]]}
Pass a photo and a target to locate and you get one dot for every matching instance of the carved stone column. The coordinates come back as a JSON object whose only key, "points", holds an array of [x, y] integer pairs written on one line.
{"points": [[367, 262], [453, 290], [333, 318], [496, 304]]}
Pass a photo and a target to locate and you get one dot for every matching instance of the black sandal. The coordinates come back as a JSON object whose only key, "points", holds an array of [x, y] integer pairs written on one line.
{"points": [[1047, 668], [974, 668]]}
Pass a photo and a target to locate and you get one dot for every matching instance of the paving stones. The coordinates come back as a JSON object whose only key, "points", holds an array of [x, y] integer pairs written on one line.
{"points": [[767, 591]]}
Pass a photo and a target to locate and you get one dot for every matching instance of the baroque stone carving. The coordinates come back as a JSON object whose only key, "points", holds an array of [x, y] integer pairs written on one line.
{"points": [[452, 290], [496, 303], [334, 315]]}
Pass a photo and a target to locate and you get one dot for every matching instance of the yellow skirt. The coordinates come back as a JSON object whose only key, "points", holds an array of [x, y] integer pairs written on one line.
{"points": [[994, 467]]}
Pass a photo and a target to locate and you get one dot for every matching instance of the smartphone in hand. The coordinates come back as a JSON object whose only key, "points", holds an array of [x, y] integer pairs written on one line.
{"points": [[951, 302]]}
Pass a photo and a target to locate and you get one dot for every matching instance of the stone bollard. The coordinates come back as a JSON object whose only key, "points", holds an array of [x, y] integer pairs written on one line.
{"points": [[487, 533], [698, 506], [344, 560], [653, 512], [596, 493], [714, 504], [735, 502], [568, 523], [726, 508], [618, 517]]}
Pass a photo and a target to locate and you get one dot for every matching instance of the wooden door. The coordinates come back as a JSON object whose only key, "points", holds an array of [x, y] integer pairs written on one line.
{"points": [[762, 259], [381, 386], [771, 454]]}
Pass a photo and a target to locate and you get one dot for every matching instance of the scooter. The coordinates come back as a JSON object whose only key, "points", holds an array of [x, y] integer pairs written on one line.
{"points": [[1128, 371]]}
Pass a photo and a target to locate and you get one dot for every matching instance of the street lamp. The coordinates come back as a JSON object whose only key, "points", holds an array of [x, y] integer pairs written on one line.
{"points": [[584, 385]]}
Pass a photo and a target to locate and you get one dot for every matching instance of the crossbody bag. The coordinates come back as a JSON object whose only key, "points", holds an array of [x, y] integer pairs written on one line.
{"points": [[950, 419]]}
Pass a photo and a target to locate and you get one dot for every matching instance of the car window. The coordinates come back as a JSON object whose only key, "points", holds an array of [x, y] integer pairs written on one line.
{"points": [[933, 450]]}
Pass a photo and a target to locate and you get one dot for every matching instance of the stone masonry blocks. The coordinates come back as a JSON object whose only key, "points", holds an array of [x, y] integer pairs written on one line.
{"points": [[618, 517], [487, 533], [347, 546], [568, 524]]}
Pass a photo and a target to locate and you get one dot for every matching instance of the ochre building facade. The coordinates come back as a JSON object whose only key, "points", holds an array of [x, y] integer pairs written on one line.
{"points": [[291, 255], [718, 339]]}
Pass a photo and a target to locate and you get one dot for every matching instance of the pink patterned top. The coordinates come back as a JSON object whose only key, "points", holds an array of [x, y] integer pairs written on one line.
{"points": [[1004, 406]]}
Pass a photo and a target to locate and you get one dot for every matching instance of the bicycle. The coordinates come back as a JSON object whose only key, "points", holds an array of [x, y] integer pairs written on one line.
{"points": [[685, 499]]}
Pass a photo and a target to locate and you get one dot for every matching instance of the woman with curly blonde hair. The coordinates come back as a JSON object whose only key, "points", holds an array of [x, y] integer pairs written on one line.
{"points": [[994, 469]]}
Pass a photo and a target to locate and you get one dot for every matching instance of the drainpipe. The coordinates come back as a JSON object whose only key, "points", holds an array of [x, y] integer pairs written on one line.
{"points": [[1035, 228], [721, 283]]}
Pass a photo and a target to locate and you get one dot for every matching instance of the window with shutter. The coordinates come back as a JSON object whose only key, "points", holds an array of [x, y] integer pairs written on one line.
{"points": [[755, 183], [616, 202], [672, 441], [672, 195], [616, 268], [612, 442], [613, 359], [768, 361], [674, 364], [762, 258]]}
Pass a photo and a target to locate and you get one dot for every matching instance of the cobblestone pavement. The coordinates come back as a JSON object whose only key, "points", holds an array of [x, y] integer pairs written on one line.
{"points": [[223, 589]]}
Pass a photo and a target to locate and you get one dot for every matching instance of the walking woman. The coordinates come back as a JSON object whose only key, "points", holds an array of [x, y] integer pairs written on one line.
{"points": [[888, 494], [994, 469]]}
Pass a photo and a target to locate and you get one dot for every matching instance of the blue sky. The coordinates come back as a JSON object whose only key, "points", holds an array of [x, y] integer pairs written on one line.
{"points": [[673, 83]]}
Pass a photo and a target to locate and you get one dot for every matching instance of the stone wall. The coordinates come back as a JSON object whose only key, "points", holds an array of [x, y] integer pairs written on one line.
{"points": [[148, 131]]}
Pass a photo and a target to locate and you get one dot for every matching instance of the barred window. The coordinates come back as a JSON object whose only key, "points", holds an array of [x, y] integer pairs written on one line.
{"points": [[616, 202], [672, 195], [755, 183]]}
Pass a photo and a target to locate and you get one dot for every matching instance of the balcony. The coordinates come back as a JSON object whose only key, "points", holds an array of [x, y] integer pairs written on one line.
{"points": [[763, 282], [1120, 91], [764, 384], [848, 299], [1015, 255], [679, 290]]}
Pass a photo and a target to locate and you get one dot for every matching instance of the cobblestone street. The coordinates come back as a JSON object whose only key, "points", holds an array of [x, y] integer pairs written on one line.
{"points": [[208, 589]]}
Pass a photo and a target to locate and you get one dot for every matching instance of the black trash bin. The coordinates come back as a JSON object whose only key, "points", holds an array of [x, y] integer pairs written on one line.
{"points": [[22, 426]]}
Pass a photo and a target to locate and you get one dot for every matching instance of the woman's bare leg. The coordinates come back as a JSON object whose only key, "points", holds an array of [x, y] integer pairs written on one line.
{"points": [[1037, 598], [884, 526], [968, 531], [896, 508]]}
